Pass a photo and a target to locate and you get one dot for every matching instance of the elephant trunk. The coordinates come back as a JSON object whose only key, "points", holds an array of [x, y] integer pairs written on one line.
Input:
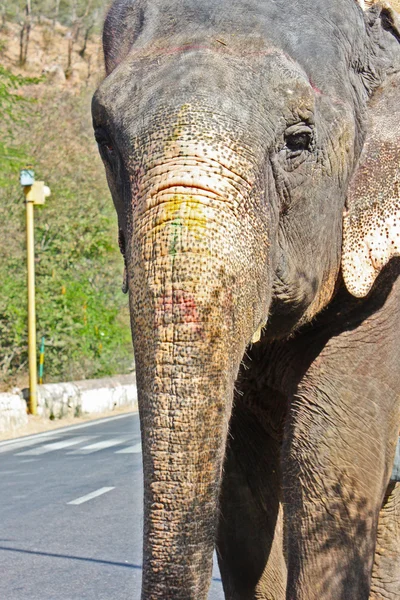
{"points": [[186, 412], [185, 379], [192, 317]]}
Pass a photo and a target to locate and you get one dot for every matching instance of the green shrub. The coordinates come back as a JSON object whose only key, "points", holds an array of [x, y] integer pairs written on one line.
{"points": [[81, 310]]}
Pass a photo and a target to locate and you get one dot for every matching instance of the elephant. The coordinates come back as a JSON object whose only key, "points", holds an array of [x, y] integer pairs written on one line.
{"points": [[252, 152]]}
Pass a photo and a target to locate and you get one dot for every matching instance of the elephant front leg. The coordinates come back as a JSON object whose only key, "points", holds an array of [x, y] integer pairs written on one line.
{"points": [[338, 453], [334, 480], [250, 531], [386, 571]]}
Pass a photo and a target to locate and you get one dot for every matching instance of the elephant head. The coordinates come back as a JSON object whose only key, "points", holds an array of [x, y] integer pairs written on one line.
{"points": [[231, 134]]}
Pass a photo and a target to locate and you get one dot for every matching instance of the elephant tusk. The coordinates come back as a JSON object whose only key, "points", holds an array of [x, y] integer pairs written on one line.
{"points": [[257, 334]]}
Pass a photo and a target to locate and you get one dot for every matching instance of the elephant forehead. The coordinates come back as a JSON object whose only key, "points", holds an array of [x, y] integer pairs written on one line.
{"points": [[293, 26], [242, 83]]}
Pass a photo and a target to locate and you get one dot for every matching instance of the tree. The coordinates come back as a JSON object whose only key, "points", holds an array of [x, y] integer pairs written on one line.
{"points": [[25, 33]]}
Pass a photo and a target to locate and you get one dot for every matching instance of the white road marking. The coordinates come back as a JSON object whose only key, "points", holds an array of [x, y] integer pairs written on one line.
{"points": [[25, 444], [29, 440], [136, 449], [99, 446], [92, 495], [55, 446]]}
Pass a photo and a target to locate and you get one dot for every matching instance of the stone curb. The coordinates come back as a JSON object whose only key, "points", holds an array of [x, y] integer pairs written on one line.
{"points": [[73, 399]]}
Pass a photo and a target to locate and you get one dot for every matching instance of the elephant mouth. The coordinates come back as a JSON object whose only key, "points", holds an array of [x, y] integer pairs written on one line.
{"points": [[186, 187]]}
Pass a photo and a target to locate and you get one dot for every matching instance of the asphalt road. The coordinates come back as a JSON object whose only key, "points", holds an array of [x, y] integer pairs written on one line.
{"points": [[71, 514]]}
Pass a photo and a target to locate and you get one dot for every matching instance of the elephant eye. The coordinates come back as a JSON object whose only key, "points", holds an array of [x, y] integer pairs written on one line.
{"points": [[106, 147], [298, 138]]}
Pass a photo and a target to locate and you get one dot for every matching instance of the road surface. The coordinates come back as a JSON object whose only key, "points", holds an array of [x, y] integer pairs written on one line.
{"points": [[71, 514]]}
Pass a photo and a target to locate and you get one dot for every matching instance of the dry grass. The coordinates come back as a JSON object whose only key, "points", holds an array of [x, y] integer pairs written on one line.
{"points": [[48, 47], [393, 3]]}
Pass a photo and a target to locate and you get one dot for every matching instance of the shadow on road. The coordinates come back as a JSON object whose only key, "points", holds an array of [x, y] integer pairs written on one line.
{"points": [[81, 558], [68, 556]]}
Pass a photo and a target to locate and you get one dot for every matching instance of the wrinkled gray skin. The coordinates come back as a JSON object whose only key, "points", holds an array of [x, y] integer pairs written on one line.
{"points": [[231, 131]]}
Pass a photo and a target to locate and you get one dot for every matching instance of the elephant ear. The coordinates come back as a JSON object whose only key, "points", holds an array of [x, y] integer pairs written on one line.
{"points": [[371, 226], [122, 26]]}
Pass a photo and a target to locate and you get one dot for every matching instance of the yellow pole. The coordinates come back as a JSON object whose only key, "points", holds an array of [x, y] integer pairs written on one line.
{"points": [[30, 246]]}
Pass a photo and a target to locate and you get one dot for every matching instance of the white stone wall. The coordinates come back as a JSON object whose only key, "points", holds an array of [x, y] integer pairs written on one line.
{"points": [[13, 414], [58, 400]]}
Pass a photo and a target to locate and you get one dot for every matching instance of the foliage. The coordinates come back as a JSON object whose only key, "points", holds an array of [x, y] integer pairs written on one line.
{"points": [[81, 310], [9, 100]]}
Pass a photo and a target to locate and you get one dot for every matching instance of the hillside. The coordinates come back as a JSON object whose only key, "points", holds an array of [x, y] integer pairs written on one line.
{"points": [[46, 122]]}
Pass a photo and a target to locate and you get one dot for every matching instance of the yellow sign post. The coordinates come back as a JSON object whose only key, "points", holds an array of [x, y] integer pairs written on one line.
{"points": [[35, 193]]}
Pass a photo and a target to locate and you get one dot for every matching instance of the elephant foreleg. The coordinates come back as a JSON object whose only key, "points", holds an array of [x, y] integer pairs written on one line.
{"points": [[386, 571], [250, 537], [338, 451]]}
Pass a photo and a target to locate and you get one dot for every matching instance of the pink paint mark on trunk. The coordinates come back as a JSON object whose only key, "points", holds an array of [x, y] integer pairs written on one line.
{"points": [[178, 307]]}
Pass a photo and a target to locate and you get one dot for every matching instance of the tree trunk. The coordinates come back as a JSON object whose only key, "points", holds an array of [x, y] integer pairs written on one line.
{"points": [[85, 40], [24, 35], [56, 13]]}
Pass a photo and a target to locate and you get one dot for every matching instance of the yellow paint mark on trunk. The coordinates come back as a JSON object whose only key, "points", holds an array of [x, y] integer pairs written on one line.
{"points": [[184, 212]]}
